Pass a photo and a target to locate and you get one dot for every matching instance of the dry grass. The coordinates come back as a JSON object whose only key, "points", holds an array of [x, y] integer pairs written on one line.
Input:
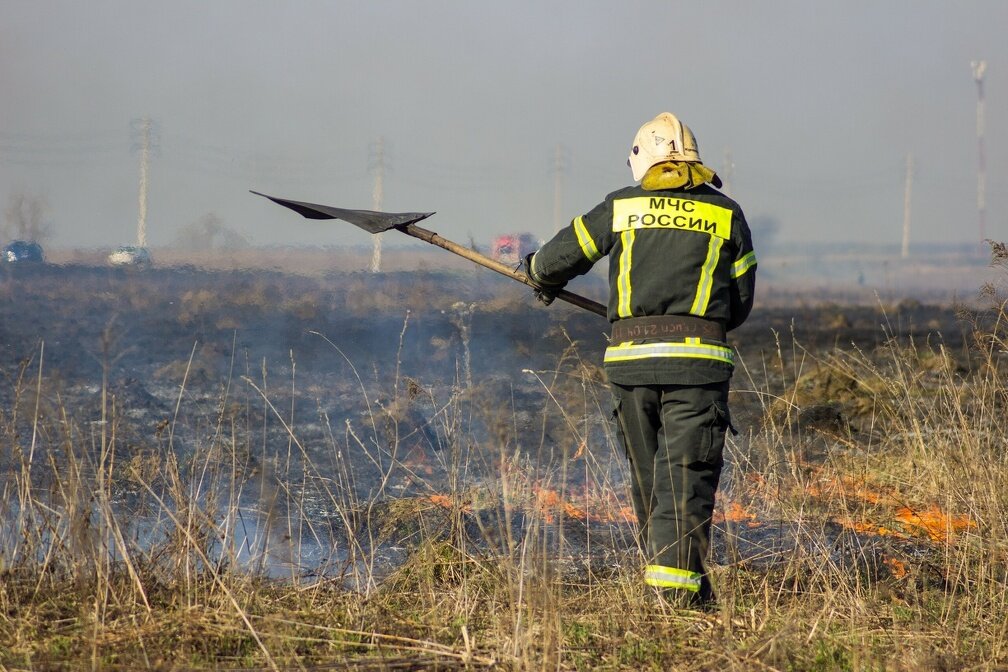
{"points": [[887, 469]]}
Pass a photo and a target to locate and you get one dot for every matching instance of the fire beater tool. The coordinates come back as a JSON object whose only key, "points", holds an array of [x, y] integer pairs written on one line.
{"points": [[378, 222]]}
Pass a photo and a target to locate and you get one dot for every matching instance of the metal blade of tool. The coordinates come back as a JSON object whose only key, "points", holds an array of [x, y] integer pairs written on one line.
{"points": [[378, 222], [369, 220]]}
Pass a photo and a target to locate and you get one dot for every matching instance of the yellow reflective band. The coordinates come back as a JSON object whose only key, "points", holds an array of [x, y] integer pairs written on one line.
{"points": [[703, 290], [627, 352], [585, 240], [623, 288], [672, 577], [671, 214], [742, 265]]}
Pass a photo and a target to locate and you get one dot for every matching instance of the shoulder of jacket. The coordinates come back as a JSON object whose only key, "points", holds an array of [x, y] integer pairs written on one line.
{"points": [[626, 192], [711, 195]]}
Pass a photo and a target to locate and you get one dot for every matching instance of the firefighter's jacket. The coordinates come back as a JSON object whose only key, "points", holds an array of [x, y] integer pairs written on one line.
{"points": [[679, 251]]}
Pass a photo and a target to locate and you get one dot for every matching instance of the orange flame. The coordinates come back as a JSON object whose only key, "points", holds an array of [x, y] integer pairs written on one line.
{"points": [[848, 488], [736, 513], [897, 567], [441, 500], [599, 510], [549, 500], [446, 502], [869, 528], [938, 525]]}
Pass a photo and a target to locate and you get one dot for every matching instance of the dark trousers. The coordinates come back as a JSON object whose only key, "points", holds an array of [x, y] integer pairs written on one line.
{"points": [[674, 438]]}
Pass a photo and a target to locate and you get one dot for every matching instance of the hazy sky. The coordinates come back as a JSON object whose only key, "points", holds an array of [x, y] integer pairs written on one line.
{"points": [[818, 104]]}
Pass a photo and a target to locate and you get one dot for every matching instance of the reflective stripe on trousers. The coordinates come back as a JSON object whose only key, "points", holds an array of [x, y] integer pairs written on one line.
{"points": [[672, 577]]}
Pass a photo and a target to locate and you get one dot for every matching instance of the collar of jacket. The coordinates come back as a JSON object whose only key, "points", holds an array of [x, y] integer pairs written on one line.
{"points": [[678, 175]]}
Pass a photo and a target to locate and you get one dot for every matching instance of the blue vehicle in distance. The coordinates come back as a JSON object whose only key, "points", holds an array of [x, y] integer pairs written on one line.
{"points": [[23, 251]]}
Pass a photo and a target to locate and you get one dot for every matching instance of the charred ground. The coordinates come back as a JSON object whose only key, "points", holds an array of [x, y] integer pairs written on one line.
{"points": [[285, 355], [134, 323]]}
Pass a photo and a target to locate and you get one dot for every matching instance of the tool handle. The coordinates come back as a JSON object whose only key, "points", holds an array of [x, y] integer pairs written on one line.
{"points": [[434, 239]]}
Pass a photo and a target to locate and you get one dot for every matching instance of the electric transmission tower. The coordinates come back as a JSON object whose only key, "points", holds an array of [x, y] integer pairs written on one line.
{"points": [[143, 137], [376, 163], [978, 72]]}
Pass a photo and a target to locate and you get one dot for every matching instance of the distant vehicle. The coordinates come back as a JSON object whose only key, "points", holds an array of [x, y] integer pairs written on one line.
{"points": [[23, 251], [130, 255], [513, 247]]}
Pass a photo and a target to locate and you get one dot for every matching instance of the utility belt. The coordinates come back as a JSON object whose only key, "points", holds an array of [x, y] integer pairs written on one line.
{"points": [[665, 327]]}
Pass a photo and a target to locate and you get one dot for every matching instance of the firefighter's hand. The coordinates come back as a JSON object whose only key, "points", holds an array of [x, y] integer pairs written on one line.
{"points": [[543, 292], [547, 294]]}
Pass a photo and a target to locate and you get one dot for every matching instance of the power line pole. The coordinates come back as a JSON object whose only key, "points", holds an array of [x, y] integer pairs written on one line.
{"points": [[142, 131], [978, 72], [907, 187], [377, 164], [561, 159]]}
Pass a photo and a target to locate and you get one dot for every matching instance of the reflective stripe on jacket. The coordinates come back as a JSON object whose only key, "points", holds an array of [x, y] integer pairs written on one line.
{"points": [[671, 252]]}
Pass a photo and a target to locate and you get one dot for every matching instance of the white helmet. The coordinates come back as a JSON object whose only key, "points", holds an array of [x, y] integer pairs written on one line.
{"points": [[664, 138]]}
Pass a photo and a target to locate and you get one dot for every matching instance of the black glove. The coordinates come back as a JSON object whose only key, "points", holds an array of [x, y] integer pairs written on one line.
{"points": [[543, 292]]}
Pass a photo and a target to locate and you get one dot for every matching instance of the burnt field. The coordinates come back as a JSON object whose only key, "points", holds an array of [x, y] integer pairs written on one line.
{"points": [[365, 432], [384, 387], [134, 326]]}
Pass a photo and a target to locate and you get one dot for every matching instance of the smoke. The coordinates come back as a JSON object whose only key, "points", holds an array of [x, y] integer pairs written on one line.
{"points": [[764, 230], [209, 233], [25, 218]]}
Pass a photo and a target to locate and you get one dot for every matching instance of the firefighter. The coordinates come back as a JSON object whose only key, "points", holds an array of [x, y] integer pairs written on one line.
{"points": [[681, 275]]}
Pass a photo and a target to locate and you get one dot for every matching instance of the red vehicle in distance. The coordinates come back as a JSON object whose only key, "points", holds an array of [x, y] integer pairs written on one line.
{"points": [[513, 247]]}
